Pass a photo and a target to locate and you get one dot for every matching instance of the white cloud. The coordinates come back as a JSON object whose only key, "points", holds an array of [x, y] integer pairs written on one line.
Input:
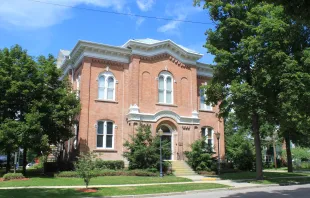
{"points": [[145, 5], [30, 14], [179, 11]]}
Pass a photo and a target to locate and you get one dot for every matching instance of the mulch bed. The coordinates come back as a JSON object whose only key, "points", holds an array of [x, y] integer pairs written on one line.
{"points": [[23, 179], [89, 190]]}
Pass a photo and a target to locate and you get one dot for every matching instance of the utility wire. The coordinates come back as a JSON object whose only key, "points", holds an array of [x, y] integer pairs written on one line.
{"points": [[120, 13]]}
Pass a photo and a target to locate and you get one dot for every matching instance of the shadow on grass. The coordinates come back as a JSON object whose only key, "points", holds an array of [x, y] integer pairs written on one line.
{"points": [[300, 193], [39, 193], [252, 175]]}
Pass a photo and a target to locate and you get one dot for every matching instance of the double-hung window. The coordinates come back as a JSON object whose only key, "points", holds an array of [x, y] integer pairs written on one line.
{"points": [[165, 88], [106, 86], [208, 132], [105, 134]]}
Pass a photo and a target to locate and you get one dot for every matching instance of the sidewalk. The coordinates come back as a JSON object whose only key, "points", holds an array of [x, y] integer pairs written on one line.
{"points": [[225, 182]]}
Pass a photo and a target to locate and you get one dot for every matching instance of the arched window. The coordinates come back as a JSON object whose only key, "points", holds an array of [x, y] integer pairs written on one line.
{"points": [[165, 88], [208, 132], [106, 86], [105, 134], [203, 98]]}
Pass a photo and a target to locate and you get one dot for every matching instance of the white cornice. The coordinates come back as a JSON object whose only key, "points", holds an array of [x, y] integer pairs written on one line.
{"points": [[146, 117], [167, 46], [204, 69], [122, 54], [95, 50]]}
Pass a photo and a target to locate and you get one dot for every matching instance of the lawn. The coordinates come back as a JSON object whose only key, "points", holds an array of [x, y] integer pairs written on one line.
{"points": [[252, 175], [113, 191], [107, 180]]}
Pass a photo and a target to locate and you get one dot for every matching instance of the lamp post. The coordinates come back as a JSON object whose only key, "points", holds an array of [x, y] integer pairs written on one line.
{"points": [[218, 152], [160, 133]]}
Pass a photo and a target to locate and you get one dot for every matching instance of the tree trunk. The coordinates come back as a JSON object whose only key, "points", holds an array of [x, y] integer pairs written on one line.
{"points": [[8, 160], [274, 153], [258, 149], [24, 161], [288, 154]]}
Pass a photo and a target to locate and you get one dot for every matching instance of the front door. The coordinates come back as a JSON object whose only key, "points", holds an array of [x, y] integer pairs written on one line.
{"points": [[167, 138]]}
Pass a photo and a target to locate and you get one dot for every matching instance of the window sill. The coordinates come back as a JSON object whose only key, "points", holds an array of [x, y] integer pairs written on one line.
{"points": [[208, 111], [107, 101], [105, 150], [164, 104]]}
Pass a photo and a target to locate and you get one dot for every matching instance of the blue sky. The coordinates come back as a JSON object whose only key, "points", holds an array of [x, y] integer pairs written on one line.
{"points": [[43, 28]]}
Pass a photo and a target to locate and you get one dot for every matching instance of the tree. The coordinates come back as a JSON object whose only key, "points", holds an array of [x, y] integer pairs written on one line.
{"points": [[85, 166], [34, 96], [9, 137], [199, 158], [298, 9], [143, 149], [253, 45]]}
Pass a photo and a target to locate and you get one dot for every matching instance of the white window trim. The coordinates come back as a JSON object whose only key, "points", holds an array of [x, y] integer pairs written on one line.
{"points": [[107, 75], [165, 75], [204, 106], [78, 84], [105, 134], [212, 136]]}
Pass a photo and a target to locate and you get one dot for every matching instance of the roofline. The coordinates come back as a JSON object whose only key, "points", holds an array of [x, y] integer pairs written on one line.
{"points": [[160, 43]]}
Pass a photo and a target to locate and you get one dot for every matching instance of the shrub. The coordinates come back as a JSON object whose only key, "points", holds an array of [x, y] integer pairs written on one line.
{"points": [[111, 164], [199, 157], [143, 149], [10, 176], [68, 174], [50, 167], [240, 150], [97, 173]]}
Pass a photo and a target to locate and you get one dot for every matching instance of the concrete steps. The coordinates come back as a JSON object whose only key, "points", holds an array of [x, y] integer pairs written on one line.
{"points": [[181, 168]]}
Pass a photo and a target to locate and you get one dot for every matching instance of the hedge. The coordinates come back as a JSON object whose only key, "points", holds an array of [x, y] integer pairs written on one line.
{"points": [[97, 173], [10, 176], [111, 164]]}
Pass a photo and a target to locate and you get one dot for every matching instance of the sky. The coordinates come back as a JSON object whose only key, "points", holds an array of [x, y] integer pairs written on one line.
{"points": [[44, 29]]}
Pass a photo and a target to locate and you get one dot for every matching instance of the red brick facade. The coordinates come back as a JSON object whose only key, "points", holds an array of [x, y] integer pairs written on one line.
{"points": [[136, 68]]}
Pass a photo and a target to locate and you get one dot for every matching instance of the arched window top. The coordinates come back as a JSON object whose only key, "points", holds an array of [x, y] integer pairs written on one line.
{"points": [[165, 74]]}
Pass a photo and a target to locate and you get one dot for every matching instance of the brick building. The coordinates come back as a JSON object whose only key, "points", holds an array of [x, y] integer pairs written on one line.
{"points": [[148, 81]]}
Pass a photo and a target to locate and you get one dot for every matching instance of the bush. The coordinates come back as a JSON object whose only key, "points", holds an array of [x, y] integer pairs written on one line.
{"points": [[10, 176], [240, 150], [111, 164], [50, 167], [199, 157], [68, 174], [97, 173], [143, 149]]}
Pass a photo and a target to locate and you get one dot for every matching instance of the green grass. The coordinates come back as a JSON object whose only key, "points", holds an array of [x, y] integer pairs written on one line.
{"points": [[108, 180], [252, 175], [51, 193]]}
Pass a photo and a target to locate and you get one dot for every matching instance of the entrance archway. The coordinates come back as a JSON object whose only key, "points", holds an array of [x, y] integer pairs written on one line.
{"points": [[167, 136]]}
